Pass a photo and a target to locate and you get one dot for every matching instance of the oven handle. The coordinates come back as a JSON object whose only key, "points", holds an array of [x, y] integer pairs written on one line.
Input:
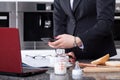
{"points": [[3, 17], [117, 17]]}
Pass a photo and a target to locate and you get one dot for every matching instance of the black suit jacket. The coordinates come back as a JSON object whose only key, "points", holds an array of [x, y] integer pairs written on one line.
{"points": [[91, 21]]}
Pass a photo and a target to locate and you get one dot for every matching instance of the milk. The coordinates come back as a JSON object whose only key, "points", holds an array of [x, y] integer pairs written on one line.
{"points": [[60, 65]]}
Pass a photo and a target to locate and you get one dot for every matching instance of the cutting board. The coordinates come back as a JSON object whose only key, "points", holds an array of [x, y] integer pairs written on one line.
{"points": [[101, 69]]}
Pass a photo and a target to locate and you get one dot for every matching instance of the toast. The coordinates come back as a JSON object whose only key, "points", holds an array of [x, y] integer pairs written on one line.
{"points": [[101, 60], [113, 63]]}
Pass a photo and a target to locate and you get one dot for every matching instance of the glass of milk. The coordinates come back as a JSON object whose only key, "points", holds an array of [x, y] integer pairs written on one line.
{"points": [[60, 65]]}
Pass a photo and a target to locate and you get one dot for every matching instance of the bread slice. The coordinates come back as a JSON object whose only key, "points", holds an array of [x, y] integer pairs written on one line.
{"points": [[87, 65], [112, 63], [101, 60]]}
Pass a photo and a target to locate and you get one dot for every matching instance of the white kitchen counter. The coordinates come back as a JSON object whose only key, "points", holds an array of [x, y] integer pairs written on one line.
{"points": [[38, 52], [52, 52]]}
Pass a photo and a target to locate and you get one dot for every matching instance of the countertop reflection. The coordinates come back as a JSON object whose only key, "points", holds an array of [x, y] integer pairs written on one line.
{"points": [[49, 75]]}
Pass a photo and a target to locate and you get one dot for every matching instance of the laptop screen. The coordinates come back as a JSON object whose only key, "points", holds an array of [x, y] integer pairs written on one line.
{"points": [[10, 56]]}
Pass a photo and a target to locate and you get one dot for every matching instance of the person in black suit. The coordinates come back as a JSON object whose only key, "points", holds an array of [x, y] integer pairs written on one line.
{"points": [[84, 27]]}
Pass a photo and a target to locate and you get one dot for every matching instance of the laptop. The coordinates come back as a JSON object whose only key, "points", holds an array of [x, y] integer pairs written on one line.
{"points": [[10, 55]]}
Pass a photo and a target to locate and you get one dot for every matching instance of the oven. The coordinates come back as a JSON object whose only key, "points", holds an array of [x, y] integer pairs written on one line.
{"points": [[116, 27], [7, 14], [35, 21]]}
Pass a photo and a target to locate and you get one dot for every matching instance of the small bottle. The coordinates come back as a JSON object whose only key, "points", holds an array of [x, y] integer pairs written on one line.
{"points": [[76, 72], [60, 66]]}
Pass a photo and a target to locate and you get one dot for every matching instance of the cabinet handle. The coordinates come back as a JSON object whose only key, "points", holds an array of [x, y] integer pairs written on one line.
{"points": [[3, 17], [40, 21], [117, 17]]}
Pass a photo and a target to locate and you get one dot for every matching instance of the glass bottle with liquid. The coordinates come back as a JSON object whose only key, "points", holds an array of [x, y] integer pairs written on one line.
{"points": [[60, 66]]}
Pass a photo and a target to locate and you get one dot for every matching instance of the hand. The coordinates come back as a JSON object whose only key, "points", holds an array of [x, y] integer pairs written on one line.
{"points": [[72, 57], [63, 41]]}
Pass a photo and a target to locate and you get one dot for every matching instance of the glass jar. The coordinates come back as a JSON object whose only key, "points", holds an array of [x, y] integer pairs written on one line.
{"points": [[60, 66]]}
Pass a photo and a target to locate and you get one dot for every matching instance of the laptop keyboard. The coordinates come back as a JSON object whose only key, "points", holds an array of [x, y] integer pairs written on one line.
{"points": [[27, 68]]}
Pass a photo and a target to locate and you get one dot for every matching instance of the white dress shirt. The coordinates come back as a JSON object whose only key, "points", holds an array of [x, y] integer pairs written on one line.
{"points": [[71, 4]]}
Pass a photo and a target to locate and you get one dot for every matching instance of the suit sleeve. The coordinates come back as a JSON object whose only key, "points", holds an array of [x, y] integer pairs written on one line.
{"points": [[59, 18], [102, 28]]}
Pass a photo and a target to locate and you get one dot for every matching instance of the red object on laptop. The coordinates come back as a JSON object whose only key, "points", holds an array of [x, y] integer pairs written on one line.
{"points": [[10, 51]]}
